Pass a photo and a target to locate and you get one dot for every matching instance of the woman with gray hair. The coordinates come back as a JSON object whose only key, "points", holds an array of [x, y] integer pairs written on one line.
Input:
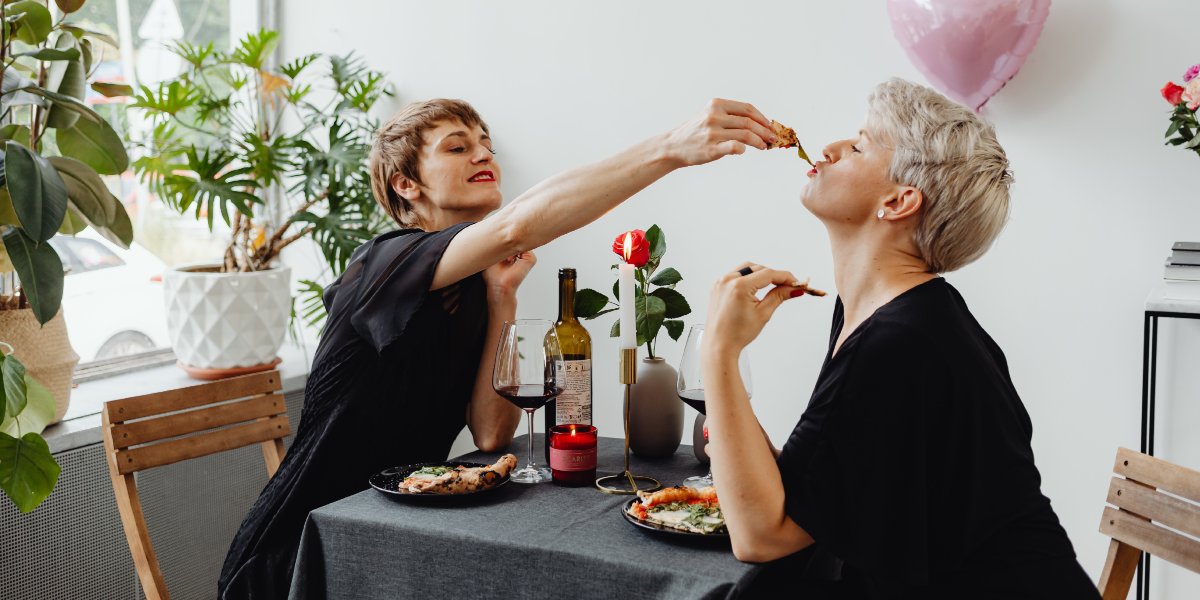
{"points": [[910, 473]]}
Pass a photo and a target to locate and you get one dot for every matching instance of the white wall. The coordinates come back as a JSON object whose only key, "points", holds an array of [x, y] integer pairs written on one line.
{"points": [[1098, 199]]}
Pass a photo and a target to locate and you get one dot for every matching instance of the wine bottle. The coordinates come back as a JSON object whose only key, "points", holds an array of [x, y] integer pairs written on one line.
{"points": [[574, 404]]}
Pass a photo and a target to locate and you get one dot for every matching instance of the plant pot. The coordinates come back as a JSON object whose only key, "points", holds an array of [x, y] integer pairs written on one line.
{"points": [[655, 410], [222, 324], [45, 351]]}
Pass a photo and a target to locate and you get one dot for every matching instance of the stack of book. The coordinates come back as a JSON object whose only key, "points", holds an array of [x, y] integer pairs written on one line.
{"points": [[1182, 271]]}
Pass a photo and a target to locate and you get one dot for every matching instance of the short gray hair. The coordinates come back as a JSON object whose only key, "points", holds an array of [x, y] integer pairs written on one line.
{"points": [[951, 155]]}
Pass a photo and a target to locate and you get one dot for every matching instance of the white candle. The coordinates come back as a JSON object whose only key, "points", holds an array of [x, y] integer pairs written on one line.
{"points": [[628, 320]]}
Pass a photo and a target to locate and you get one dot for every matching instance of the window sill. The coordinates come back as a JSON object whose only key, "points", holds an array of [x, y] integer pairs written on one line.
{"points": [[81, 425]]}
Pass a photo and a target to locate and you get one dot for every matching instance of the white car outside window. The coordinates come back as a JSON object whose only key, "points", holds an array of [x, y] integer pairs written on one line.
{"points": [[112, 297]]}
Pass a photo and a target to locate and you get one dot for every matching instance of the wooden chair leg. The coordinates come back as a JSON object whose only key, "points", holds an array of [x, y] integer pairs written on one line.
{"points": [[1119, 569], [273, 451]]}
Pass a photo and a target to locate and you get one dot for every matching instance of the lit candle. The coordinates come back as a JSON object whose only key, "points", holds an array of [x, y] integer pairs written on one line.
{"points": [[625, 284]]}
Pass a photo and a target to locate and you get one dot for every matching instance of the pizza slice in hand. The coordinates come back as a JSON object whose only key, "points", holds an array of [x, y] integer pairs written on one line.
{"points": [[786, 138]]}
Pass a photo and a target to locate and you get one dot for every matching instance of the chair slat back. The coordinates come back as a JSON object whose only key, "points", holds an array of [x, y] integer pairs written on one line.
{"points": [[1152, 501], [168, 427]]}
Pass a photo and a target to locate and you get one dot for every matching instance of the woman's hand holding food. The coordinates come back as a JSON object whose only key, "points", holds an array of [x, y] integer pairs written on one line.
{"points": [[725, 127]]}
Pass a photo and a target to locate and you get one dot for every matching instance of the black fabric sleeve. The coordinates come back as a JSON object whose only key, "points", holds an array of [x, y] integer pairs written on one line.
{"points": [[858, 485], [396, 274]]}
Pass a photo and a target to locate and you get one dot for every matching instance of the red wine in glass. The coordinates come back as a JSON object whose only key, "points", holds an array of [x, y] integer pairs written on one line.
{"points": [[693, 398], [529, 396]]}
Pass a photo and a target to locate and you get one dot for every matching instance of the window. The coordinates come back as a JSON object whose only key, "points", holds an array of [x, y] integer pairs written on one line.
{"points": [[112, 299]]}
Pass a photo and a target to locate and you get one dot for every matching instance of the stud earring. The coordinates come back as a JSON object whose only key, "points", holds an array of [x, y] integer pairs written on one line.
{"points": [[879, 214]]}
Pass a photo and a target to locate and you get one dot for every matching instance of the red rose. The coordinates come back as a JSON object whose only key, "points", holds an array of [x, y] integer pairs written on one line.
{"points": [[639, 249], [1172, 93]]}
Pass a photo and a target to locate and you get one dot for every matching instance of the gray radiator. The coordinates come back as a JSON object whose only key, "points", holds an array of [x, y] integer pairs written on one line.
{"points": [[73, 547]]}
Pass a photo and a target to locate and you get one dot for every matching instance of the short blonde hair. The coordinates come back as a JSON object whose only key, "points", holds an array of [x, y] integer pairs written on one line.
{"points": [[952, 156], [397, 150]]}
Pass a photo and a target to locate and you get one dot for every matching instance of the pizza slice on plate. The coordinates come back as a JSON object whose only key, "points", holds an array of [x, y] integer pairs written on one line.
{"points": [[683, 508]]}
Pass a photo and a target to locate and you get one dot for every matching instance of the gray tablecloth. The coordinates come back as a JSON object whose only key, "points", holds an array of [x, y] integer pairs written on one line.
{"points": [[517, 541]]}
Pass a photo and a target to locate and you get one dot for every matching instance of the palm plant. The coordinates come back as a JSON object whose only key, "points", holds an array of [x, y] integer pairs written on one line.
{"points": [[231, 131]]}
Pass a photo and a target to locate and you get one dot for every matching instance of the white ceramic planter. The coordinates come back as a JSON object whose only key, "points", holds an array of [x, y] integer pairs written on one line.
{"points": [[226, 320]]}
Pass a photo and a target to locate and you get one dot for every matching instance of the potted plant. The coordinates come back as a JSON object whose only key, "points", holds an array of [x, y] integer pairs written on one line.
{"points": [[55, 147], [225, 135], [656, 413]]}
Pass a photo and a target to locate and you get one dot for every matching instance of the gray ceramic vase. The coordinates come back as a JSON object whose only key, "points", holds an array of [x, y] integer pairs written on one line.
{"points": [[698, 442], [655, 410]]}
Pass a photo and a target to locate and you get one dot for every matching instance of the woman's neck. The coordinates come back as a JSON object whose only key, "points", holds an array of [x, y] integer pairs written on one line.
{"points": [[871, 272]]}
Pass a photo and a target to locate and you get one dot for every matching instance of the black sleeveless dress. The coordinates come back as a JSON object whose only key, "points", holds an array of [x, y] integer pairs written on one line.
{"points": [[389, 385]]}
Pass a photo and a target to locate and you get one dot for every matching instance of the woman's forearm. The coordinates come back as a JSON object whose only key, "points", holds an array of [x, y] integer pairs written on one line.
{"points": [[743, 465], [552, 208], [492, 419]]}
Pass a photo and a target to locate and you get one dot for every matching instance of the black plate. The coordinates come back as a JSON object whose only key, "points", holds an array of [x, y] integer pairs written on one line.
{"points": [[388, 480], [670, 531]]}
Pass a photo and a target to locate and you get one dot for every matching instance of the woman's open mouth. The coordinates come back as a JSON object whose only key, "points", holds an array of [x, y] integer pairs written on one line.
{"points": [[812, 172], [482, 176]]}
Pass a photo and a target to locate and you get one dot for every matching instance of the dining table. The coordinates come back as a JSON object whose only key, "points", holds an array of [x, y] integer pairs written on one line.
{"points": [[515, 541]]}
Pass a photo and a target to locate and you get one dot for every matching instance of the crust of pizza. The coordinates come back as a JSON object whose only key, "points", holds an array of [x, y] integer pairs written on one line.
{"points": [[461, 480], [677, 508]]}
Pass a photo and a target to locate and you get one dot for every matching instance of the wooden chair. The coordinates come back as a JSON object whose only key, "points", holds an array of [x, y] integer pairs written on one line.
{"points": [[168, 427], [1142, 514]]}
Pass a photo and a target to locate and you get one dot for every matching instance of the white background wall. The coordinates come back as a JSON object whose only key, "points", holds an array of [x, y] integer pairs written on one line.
{"points": [[1097, 204]]}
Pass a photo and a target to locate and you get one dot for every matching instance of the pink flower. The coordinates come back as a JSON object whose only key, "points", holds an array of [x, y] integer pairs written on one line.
{"points": [[1191, 94], [1172, 93], [1191, 73]]}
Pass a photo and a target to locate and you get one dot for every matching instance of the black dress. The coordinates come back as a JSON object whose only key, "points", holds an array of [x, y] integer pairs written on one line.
{"points": [[389, 386], [912, 467]]}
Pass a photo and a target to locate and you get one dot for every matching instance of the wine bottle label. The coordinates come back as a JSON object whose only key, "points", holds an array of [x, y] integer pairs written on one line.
{"points": [[574, 404], [572, 460]]}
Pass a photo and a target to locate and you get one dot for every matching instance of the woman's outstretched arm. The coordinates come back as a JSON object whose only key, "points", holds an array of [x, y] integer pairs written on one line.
{"points": [[570, 200]]}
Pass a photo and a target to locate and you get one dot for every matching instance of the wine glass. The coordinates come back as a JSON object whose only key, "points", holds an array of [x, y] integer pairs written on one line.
{"points": [[690, 386], [526, 374]]}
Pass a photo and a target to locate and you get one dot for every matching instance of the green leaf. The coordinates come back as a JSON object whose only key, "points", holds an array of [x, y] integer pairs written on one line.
{"points": [[96, 144], [112, 90], [668, 276], [255, 49], [1192, 143], [589, 302], [72, 223], [67, 78], [80, 33], [168, 98], [85, 51], [51, 54], [32, 21], [676, 305], [27, 470], [674, 328], [1173, 128], [39, 410], [13, 374], [16, 133], [658, 242], [617, 291], [650, 314], [294, 68], [211, 185], [90, 198], [40, 270], [38, 193], [69, 6], [615, 330]]}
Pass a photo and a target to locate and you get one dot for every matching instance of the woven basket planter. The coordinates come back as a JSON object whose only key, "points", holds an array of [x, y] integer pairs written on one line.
{"points": [[45, 351]]}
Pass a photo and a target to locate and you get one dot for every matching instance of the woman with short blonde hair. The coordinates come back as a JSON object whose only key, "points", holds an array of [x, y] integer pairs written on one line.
{"points": [[910, 473]]}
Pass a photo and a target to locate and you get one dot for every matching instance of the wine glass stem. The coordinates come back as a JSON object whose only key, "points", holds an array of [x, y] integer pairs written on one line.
{"points": [[529, 455]]}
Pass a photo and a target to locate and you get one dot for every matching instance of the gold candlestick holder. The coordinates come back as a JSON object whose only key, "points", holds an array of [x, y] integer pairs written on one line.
{"points": [[626, 483]]}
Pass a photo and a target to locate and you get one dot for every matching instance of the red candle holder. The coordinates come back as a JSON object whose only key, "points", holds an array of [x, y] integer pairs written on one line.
{"points": [[573, 454]]}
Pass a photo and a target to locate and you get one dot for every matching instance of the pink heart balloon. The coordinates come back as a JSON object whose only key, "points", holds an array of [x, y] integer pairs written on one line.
{"points": [[968, 48]]}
